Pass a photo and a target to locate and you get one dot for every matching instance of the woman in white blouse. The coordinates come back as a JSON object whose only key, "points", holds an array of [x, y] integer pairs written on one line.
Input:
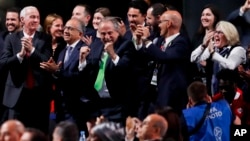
{"points": [[224, 50]]}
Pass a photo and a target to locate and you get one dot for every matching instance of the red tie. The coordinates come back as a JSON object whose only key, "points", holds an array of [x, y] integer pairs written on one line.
{"points": [[30, 81]]}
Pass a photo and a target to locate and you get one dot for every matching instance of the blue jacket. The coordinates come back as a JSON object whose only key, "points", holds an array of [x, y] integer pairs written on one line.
{"points": [[216, 125]]}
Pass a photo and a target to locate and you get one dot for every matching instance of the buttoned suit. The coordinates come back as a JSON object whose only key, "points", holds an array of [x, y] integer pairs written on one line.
{"points": [[31, 106], [119, 79], [173, 71], [71, 83]]}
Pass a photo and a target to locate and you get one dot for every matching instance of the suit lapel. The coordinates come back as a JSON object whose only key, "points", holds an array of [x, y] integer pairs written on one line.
{"points": [[37, 42], [74, 54]]}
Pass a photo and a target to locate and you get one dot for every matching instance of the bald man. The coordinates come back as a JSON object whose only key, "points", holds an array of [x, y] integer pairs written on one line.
{"points": [[153, 128], [171, 54], [11, 130]]}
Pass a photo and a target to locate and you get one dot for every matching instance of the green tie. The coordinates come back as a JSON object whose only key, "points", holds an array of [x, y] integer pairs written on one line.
{"points": [[100, 76]]}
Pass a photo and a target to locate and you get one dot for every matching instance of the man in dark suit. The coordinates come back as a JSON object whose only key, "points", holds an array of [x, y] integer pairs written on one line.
{"points": [[27, 87], [12, 24], [171, 53], [83, 13], [69, 78], [116, 87]]}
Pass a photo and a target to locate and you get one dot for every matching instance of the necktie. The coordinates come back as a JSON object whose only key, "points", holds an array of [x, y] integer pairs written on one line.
{"points": [[100, 76], [68, 53], [162, 45], [30, 80]]}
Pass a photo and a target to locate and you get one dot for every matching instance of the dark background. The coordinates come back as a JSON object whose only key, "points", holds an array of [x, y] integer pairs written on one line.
{"points": [[190, 9]]}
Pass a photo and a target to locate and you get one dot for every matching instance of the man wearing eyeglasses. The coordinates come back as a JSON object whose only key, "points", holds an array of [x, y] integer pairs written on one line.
{"points": [[171, 54], [69, 77]]}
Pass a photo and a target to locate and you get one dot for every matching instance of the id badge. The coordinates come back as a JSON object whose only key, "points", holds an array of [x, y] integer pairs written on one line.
{"points": [[154, 77]]}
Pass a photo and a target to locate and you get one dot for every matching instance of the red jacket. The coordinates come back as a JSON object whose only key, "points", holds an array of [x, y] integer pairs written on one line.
{"points": [[237, 104]]}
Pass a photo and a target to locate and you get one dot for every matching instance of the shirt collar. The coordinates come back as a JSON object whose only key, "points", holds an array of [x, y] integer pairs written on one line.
{"points": [[170, 38], [27, 36], [74, 44]]}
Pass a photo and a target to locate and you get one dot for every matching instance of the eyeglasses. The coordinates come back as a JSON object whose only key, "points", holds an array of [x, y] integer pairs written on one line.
{"points": [[218, 32], [70, 28], [163, 21]]}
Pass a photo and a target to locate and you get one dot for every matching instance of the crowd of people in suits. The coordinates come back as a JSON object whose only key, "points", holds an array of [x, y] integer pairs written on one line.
{"points": [[140, 78]]}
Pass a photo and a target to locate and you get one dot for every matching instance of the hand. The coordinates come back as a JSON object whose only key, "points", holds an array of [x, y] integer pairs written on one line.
{"points": [[138, 34], [87, 40], [133, 27], [146, 32], [246, 6], [189, 104], [211, 47], [100, 120], [51, 65], [27, 44], [208, 38], [84, 52], [122, 28], [22, 53], [132, 124], [203, 63], [241, 69], [109, 48]]}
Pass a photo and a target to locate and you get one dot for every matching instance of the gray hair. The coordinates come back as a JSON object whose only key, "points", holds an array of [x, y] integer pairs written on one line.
{"points": [[109, 131], [230, 32], [25, 9], [113, 20]]}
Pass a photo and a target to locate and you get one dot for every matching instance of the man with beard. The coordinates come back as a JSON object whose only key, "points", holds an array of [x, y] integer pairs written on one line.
{"points": [[12, 24]]}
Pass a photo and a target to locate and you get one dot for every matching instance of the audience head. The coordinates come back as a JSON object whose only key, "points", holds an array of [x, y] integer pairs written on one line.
{"points": [[53, 25], [210, 16], [226, 34], [33, 134], [227, 83], [174, 124], [197, 92], [120, 23], [248, 54], [66, 131], [73, 30], [30, 19], [137, 11], [153, 14], [11, 130], [109, 30], [107, 131], [99, 14], [12, 21], [170, 23], [153, 127], [83, 13]]}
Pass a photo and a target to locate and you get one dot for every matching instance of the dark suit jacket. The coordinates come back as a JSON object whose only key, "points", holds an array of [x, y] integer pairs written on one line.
{"points": [[18, 71], [243, 25], [119, 78], [70, 80], [172, 77]]}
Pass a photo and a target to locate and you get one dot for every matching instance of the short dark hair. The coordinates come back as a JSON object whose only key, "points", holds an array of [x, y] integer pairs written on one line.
{"points": [[88, 9], [36, 134], [67, 130], [139, 4], [14, 9], [158, 9], [197, 91], [109, 131]]}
